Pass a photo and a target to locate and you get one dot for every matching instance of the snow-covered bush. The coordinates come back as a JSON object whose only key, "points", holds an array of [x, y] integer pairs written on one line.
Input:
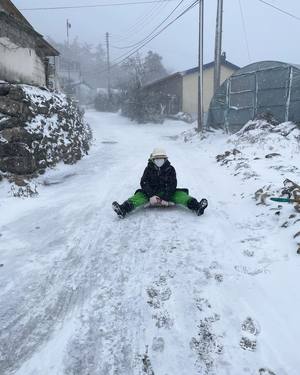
{"points": [[108, 103], [145, 106]]}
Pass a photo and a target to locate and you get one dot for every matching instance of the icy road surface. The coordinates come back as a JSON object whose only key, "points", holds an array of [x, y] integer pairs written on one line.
{"points": [[162, 292]]}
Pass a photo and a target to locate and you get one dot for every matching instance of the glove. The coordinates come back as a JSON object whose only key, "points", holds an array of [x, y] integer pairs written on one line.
{"points": [[164, 203], [154, 200]]}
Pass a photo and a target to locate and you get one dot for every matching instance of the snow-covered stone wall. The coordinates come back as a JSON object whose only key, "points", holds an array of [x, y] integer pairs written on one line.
{"points": [[38, 129]]}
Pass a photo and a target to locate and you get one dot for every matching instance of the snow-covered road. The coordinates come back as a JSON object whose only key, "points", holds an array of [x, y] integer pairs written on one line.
{"points": [[162, 292]]}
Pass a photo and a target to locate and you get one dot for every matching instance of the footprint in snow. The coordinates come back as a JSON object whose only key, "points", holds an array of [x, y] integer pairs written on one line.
{"points": [[219, 277], [202, 304], [207, 344], [247, 271], [249, 253], [163, 319], [252, 328], [252, 239], [209, 275], [214, 265], [158, 344], [156, 296], [248, 344], [147, 365], [266, 371]]}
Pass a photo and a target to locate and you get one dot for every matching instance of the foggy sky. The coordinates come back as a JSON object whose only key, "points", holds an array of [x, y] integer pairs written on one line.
{"points": [[271, 35]]}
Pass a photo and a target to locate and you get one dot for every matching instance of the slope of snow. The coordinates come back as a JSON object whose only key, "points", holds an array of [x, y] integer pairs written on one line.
{"points": [[162, 292]]}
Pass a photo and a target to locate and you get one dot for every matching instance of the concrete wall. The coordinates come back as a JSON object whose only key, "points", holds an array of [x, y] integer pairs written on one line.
{"points": [[20, 64], [21, 61], [190, 89]]}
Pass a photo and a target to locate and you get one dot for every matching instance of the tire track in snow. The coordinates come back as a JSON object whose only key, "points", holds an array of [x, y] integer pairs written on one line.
{"points": [[111, 321], [30, 318], [38, 307], [172, 292]]}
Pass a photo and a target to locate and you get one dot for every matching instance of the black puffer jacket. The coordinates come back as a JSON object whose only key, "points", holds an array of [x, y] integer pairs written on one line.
{"points": [[159, 180]]}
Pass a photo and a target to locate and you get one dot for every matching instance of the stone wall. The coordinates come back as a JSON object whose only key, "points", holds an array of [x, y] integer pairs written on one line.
{"points": [[38, 129]]}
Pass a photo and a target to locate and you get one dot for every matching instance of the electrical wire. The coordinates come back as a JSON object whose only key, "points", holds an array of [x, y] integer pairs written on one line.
{"points": [[280, 10], [153, 31], [124, 57], [245, 30], [135, 50], [141, 23], [98, 5]]}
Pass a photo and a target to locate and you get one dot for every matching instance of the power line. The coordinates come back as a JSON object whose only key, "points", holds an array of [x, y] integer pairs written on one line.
{"points": [[280, 10], [153, 31], [141, 22], [99, 5], [133, 51], [125, 56], [245, 31]]}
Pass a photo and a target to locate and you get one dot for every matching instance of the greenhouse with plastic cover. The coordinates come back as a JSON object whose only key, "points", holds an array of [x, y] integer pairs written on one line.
{"points": [[267, 88]]}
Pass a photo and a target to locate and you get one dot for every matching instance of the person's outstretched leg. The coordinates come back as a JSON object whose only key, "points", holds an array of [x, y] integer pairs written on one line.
{"points": [[137, 200], [122, 209], [196, 206], [181, 197]]}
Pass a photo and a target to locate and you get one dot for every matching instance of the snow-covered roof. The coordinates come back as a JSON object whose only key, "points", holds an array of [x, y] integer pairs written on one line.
{"points": [[104, 90]]}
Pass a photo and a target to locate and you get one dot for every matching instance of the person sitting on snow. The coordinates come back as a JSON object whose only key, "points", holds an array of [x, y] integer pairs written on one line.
{"points": [[159, 188]]}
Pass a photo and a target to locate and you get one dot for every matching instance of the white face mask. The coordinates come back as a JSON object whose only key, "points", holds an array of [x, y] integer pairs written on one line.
{"points": [[159, 162]]}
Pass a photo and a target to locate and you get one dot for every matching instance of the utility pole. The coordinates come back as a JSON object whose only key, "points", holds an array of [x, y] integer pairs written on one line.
{"points": [[218, 46], [68, 61], [108, 66], [200, 64]]}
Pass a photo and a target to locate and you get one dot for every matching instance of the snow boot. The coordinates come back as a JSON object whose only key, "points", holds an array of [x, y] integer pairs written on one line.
{"points": [[196, 206], [202, 206], [122, 209]]}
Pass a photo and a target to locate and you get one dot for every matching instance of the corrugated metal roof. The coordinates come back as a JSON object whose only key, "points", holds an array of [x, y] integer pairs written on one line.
{"points": [[263, 65]]}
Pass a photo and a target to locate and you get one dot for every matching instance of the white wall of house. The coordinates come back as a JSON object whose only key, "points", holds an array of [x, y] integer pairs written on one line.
{"points": [[190, 89], [20, 64]]}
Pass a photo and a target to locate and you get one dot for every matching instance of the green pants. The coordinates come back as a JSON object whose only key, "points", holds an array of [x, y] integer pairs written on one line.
{"points": [[179, 197]]}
